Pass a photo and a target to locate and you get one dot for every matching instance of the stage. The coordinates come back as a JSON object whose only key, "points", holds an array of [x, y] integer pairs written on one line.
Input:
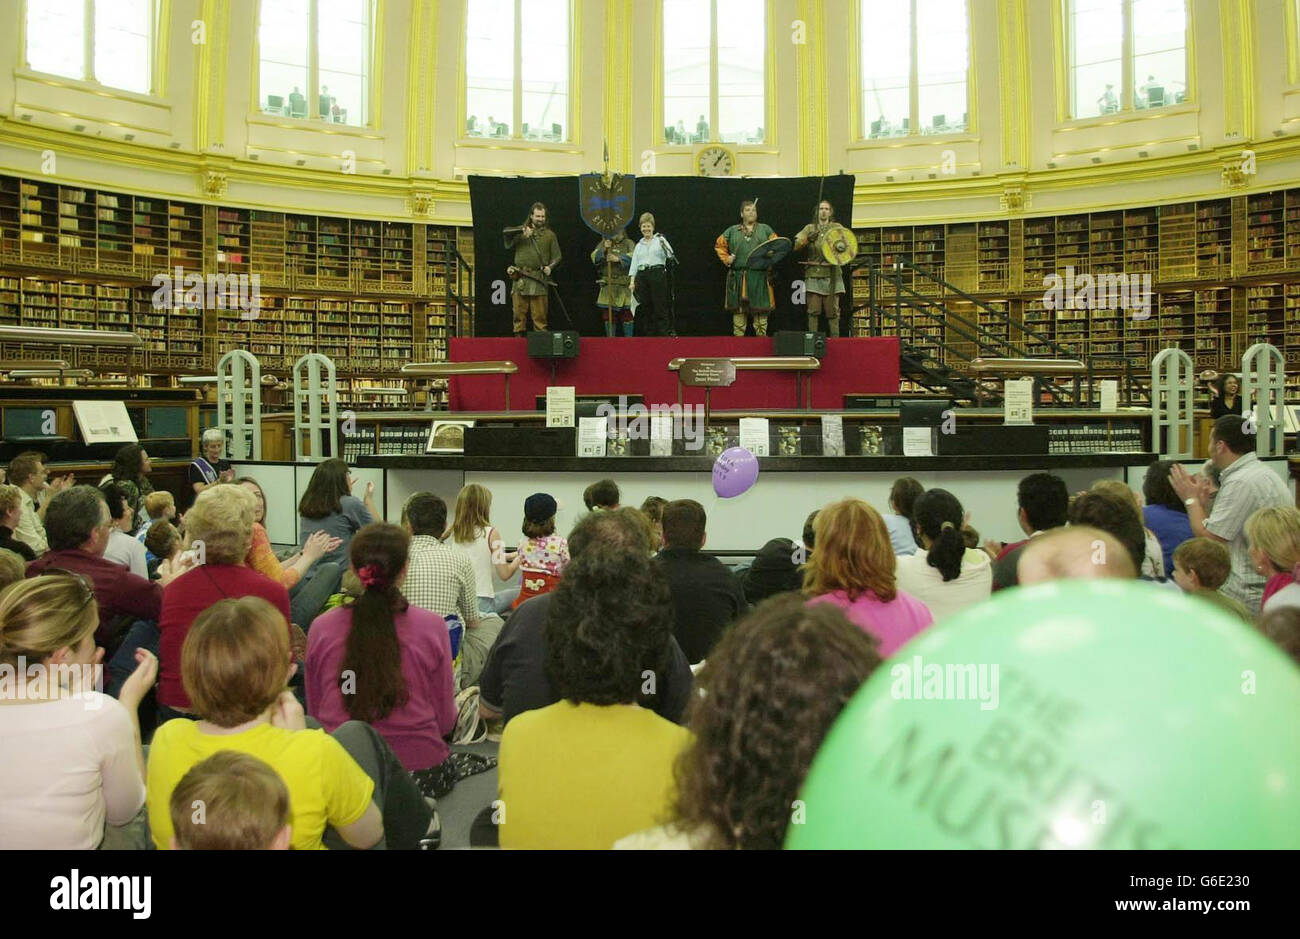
{"points": [[640, 366]]}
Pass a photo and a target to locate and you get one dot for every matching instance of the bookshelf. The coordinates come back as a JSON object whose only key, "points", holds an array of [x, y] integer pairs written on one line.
{"points": [[10, 225], [233, 241], [1266, 314], [1072, 243], [1177, 251], [367, 254], [10, 301], [994, 242], [332, 257], [267, 247], [1291, 351], [1266, 232], [1040, 249], [1214, 238], [1141, 240], [398, 267], [300, 247]]}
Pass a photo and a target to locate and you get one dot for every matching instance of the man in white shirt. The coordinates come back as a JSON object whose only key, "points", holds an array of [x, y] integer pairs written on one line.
{"points": [[27, 471], [1245, 485], [650, 260]]}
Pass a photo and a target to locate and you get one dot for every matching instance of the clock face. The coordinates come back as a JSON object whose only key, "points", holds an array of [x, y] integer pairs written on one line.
{"points": [[715, 161]]}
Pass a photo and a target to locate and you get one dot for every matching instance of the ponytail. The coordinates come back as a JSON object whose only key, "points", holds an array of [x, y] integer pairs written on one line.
{"points": [[938, 516], [371, 675]]}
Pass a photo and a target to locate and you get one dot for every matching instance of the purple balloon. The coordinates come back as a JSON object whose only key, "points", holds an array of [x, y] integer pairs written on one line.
{"points": [[734, 472]]}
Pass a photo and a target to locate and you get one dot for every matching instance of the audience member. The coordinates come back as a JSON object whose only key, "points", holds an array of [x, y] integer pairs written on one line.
{"points": [[1116, 515], [157, 505], [1274, 537], [593, 768], [309, 578], [1245, 486], [601, 496], [543, 554], [131, 469], [1044, 504], [653, 509], [1201, 566], [1282, 625], [472, 533], [769, 693], [11, 517], [122, 548], [515, 678], [1153, 559], [899, 519], [245, 806], [73, 768], [78, 524], [210, 467], [809, 534], [1079, 552], [12, 568], [853, 568], [380, 660], [219, 526], [1164, 513], [949, 576], [774, 571], [438, 578], [27, 471], [236, 665], [163, 541], [329, 506], [706, 596]]}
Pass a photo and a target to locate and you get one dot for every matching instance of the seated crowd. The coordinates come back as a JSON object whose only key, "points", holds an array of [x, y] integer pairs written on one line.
{"points": [[645, 694]]}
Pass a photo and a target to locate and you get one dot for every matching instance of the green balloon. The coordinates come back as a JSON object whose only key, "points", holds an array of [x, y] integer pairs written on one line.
{"points": [[1084, 714]]}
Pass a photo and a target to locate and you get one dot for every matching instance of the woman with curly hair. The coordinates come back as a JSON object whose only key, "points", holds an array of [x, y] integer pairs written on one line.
{"points": [[131, 469], [771, 690]]}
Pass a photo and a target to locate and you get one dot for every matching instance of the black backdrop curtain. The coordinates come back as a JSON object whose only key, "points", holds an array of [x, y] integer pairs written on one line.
{"points": [[690, 212]]}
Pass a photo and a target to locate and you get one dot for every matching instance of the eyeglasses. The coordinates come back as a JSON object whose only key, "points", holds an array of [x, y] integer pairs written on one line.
{"points": [[85, 584]]}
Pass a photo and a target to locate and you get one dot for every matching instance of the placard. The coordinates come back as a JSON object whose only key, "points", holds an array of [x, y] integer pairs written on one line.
{"points": [[661, 434], [832, 435], [1109, 395], [754, 435], [707, 373], [559, 405], [447, 437], [918, 441], [1018, 401], [593, 434], [104, 422]]}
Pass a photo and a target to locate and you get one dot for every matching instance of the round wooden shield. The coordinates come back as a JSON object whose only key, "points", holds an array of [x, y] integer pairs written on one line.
{"points": [[769, 254]]}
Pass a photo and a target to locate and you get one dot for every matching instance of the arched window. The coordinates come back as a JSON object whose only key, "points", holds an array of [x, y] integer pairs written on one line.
{"points": [[315, 59], [119, 53], [1126, 54], [715, 71], [914, 59], [517, 69]]}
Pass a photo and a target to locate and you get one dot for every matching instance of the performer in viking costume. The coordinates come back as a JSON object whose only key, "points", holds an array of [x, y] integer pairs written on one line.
{"points": [[537, 253], [612, 257], [749, 292], [823, 282]]}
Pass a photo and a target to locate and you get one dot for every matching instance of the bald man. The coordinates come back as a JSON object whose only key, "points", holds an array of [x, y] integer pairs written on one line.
{"points": [[1079, 552]]}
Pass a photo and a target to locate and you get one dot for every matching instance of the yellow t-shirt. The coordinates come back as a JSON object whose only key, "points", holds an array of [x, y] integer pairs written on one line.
{"points": [[582, 776], [326, 786]]}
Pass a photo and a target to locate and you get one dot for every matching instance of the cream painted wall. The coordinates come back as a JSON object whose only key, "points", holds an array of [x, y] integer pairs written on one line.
{"points": [[202, 138]]}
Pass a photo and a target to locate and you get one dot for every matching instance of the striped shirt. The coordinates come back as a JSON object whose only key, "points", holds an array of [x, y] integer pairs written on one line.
{"points": [[440, 579], [1244, 487]]}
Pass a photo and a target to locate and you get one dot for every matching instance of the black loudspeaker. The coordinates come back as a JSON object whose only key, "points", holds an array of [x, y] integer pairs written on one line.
{"points": [[497, 440], [793, 342], [986, 437], [553, 345]]}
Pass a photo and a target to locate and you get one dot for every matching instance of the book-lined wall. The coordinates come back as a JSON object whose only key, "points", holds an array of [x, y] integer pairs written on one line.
{"points": [[1224, 274], [370, 294]]}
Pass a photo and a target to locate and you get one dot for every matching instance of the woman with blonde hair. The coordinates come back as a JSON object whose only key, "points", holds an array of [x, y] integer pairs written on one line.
{"points": [[1274, 537], [472, 534], [73, 768], [854, 568], [219, 530]]}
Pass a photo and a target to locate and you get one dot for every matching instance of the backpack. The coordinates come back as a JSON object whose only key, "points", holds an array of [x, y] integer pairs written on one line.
{"points": [[470, 728]]}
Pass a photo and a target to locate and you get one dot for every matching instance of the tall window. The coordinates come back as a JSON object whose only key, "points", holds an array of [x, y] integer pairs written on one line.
{"points": [[120, 53], [1126, 54], [315, 59], [715, 61], [517, 69], [915, 58]]}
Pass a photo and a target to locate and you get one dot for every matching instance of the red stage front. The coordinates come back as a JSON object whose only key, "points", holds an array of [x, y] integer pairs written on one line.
{"points": [[640, 366]]}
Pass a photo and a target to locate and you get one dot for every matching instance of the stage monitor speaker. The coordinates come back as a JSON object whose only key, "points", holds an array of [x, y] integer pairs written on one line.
{"points": [[989, 439], [562, 344], [530, 440], [793, 342], [928, 412]]}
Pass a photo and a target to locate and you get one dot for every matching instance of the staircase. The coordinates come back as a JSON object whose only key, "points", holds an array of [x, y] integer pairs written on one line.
{"points": [[940, 334]]}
